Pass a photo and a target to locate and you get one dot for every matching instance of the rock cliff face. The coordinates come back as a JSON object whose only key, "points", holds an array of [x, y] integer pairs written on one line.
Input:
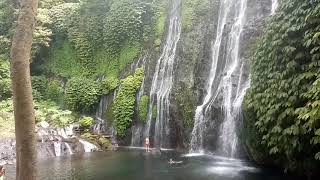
{"points": [[51, 142], [191, 70], [192, 64]]}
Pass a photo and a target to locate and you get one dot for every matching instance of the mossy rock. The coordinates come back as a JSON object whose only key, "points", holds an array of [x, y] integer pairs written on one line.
{"points": [[105, 143]]}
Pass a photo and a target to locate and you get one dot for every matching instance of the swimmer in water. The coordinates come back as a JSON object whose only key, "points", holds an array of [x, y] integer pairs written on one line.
{"points": [[2, 172], [174, 162]]}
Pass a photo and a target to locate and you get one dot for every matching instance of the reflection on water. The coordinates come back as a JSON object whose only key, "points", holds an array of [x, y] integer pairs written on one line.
{"points": [[138, 165]]}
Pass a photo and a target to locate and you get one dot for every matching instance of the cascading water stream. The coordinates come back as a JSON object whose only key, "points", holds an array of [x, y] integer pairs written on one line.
{"points": [[163, 80], [274, 6], [137, 128], [57, 148], [227, 81]]}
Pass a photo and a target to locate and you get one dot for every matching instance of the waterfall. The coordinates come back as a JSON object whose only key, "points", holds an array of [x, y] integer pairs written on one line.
{"points": [[88, 147], [227, 83], [99, 126], [136, 130], [136, 135], [163, 80], [57, 148], [274, 6], [69, 148]]}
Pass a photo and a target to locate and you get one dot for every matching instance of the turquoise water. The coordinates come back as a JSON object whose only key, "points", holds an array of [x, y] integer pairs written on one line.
{"points": [[138, 165]]}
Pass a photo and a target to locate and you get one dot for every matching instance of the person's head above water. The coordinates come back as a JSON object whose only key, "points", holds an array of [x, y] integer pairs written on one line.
{"points": [[1, 170]]}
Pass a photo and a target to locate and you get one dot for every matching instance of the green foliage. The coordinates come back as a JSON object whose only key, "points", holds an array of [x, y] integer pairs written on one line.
{"points": [[186, 106], [54, 91], [5, 81], [6, 122], [7, 17], [283, 101], [192, 10], [86, 122], [6, 119], [126, 22], [96, 38], [105, 143], [161, 16], [154, 112], [63, 62], [44, 111], [6, 106], [39, 84], [108, 85], [123, 108], [106, 64], [43, 89], [109, 114], [128, 53], [143, 108], [51, 113], [81, 94]]}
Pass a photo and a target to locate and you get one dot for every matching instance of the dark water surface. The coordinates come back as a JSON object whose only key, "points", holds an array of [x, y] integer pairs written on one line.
{"points": [[138, 165]]}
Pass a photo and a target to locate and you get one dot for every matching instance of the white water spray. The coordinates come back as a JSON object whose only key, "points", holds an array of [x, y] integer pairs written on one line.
{"points": [[226, 82], [274, 6], [162, 81]]}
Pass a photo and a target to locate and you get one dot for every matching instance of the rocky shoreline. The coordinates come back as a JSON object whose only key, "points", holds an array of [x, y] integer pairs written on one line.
{"points": [[51, 142]]}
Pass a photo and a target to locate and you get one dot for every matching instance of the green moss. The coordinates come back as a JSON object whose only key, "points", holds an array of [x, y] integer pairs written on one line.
{"points": [[109, 114], [105, 143], [113, 65], [108, 85], [82, 94], [97, 140], [143, 108], [123, 109], [85, 121], [162, 13], [40, 84], [192, 10], [154, 112], [186, 106], [63, 62], [54, 91], [128, 53], [107, 64]]}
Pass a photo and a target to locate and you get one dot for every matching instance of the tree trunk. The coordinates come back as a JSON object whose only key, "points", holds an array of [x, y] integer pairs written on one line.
{"points": [[22, 91]]}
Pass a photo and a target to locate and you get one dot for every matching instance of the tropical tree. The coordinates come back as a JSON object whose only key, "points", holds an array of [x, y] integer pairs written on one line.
{"points": [[22, 91]]}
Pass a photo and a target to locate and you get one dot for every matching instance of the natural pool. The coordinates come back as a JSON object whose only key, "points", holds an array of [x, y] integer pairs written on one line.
{"points": [[138, 165]]}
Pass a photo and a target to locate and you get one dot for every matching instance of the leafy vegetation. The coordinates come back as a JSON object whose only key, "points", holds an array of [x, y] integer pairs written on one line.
{"points": [[5, 82], [53, 114], [186, 106], [192, 10], [161, 16], [143, 108], [108, 85], [154, 112], [82, 94], [63, 62], [283, 101], [54, 91], [86, 122], [123, 108], [44, 110]]}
